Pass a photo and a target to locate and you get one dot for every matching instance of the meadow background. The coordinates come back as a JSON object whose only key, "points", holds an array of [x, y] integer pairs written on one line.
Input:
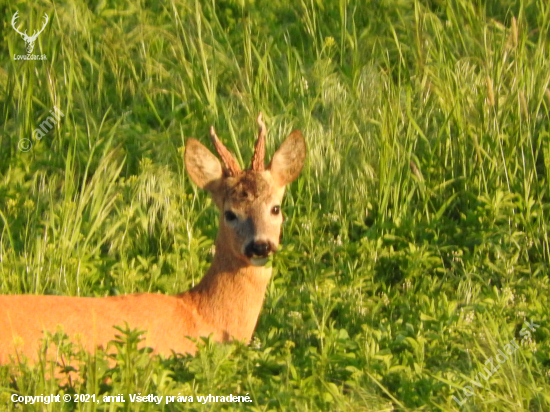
{"points": [[416, 240]]}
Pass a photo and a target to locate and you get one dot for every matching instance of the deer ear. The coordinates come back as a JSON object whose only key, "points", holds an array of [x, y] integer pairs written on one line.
{"points": [[288, 161], [203, 167]]}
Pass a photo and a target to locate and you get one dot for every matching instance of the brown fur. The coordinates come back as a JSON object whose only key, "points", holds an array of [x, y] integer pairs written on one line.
{"points": [[227, 301]]}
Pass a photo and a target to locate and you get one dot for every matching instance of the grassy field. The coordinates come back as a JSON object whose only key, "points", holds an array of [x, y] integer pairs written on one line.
{"points": [[416, 241]]}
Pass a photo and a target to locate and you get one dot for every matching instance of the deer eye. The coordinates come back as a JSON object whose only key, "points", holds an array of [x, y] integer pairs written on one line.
{"points": [[275, 210], [230, 216]]}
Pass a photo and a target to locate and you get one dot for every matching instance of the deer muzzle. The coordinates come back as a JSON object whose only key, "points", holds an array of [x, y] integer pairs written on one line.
{"points": [[258, 252]]}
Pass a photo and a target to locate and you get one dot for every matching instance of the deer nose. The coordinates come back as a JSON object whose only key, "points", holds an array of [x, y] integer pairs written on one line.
{"points": [[258, 248]]}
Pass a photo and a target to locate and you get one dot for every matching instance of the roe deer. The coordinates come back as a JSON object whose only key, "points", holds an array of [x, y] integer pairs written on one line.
{"points": [[227, 301]]}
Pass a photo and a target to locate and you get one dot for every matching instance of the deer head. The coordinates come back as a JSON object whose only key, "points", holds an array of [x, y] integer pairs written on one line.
{"points": [[249, 200], [29, 39]]}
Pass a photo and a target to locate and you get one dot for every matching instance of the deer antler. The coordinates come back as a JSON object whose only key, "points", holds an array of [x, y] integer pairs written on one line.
{"points": [[13, 21], [259, 148], [231, 165], [34, 34]]}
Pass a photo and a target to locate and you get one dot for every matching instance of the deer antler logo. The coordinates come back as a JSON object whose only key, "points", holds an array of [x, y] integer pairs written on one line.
{"points": [[29, 39]]}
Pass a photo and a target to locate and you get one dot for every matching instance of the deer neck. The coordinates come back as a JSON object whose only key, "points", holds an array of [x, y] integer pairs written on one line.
{"points": [[231, 294]]}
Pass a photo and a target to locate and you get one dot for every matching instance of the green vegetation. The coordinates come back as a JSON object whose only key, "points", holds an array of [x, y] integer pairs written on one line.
{"points": [[416, 241]]}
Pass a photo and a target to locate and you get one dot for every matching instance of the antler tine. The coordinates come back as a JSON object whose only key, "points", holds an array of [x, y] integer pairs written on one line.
{"points": [[34, 33], [14, 22], [231, 165], [259, 148]]}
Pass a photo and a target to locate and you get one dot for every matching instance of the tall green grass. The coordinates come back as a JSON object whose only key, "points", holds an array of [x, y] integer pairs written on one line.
{"points": [[416, 242]]}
